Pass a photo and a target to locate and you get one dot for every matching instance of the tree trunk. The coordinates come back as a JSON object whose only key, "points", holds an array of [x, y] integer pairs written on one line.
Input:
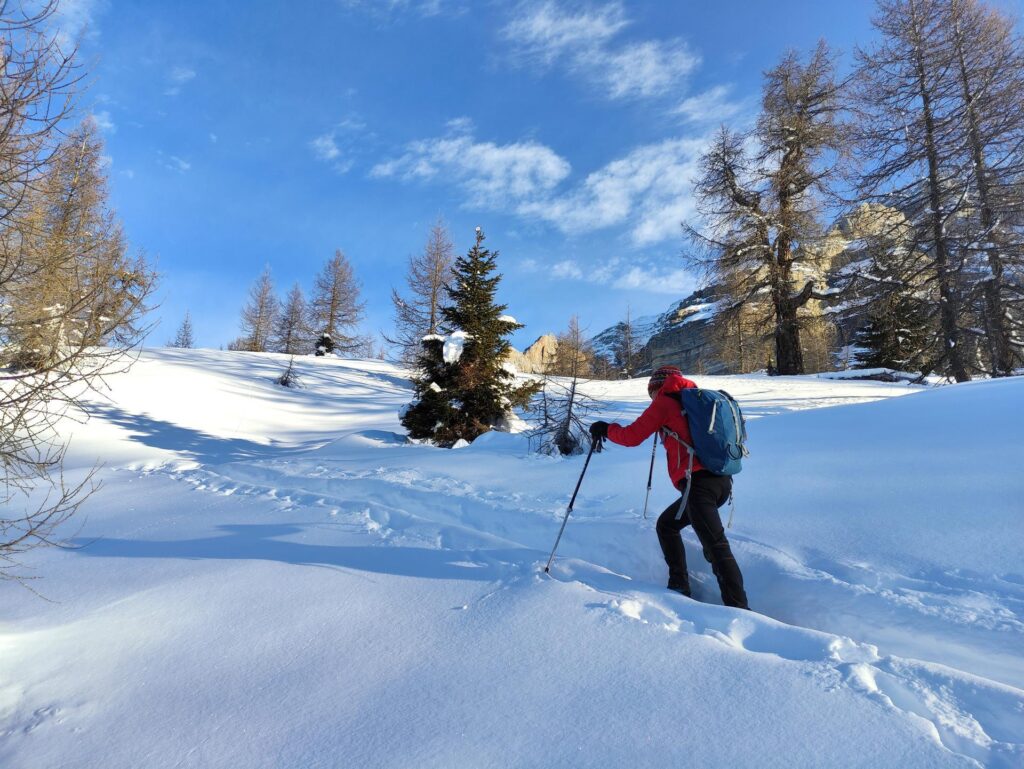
{"points": [[996, 322], [788, 352], [948, 309], [789, 355]]}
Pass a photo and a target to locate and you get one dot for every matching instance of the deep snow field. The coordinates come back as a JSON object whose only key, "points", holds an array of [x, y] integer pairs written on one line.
{"points": [[273, 578]]}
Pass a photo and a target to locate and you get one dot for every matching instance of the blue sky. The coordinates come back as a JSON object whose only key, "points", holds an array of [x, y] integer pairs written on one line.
{"points": [[250, 133]]}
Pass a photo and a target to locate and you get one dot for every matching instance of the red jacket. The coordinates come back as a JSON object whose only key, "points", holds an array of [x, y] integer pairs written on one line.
{"points": [[663, 413]]}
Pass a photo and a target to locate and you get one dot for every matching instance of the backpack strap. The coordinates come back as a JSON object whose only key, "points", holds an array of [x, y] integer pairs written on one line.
{"points": [[741, 426], [689, 468]]}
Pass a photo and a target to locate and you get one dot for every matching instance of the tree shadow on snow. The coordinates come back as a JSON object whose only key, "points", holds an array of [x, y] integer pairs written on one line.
{"points": [[261, 542], [197, 445]]}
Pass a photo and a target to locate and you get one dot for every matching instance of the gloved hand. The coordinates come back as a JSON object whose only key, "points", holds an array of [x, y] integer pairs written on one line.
{"points": [[599, 431]]}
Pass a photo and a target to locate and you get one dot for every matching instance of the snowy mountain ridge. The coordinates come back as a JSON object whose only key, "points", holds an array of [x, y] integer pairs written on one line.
{"points": [[680, 328]]}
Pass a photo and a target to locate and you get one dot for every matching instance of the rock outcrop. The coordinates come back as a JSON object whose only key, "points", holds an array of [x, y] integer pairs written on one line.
{"points": [[683, 337], [536, 358]]}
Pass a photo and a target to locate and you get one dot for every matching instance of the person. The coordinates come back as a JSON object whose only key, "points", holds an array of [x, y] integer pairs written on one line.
{"points": [[708, 492]]}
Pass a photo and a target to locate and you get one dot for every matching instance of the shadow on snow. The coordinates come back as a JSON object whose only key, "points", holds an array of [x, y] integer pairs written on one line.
{"points": [[197, 445], [260, 542]]}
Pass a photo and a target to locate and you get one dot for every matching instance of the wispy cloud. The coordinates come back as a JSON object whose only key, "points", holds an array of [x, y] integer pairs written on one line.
{"points": [[424, 8], [649, 189], [325, 148], [74, 19], [545, 32], [567, 268], [586, 39], [333, 146], [491, 174], [174, 163], [711, 106], [104, 122], [177, 78], [636, 274], [461, 125]]}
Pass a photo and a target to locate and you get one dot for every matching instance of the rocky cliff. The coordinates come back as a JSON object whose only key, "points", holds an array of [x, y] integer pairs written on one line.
{"points": [[537, 357]]}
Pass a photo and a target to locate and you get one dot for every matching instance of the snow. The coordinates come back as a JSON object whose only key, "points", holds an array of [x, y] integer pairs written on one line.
{"points": [[508, 319], [889, 373], [703, 311], [276, 578], [454, 344]]}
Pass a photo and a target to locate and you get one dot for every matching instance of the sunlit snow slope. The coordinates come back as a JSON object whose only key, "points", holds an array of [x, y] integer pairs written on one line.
{"points": [[274, 578]]}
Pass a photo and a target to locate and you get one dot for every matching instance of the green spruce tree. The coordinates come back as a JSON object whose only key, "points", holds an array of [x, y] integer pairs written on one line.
{"points": [[896, 335], [463, 389]]}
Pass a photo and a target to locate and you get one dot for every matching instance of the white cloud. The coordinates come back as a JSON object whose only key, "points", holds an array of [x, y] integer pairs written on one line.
{"points": [[181, 74], [425, 8], [334, 146], [634, 274], [711, 106], [177, 78], [566, 269], [583, 39], [74, 19], [649, 189], [492, 174], [104, 122], [678, 282], [645, 69], [174, 163], [325, 148], [545, 32], [461, 125]]}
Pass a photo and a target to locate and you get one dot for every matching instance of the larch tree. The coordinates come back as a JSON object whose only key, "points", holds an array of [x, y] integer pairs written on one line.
{"points": [[184, 337], [574, 356], [418, 311], [628, 349], [72, 298], [463, 387], [988, 65], [762, 197], [910, 132], [291, 330], [562, 407], [78, 285], [335, 309], [259, 316]]}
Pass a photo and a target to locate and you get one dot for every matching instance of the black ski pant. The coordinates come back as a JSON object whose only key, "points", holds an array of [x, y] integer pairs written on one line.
{"points": [[708, 492]]}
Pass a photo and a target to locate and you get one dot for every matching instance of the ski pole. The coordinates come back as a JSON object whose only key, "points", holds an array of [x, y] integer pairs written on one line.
{"points": [[650, 475], [593, 443]]}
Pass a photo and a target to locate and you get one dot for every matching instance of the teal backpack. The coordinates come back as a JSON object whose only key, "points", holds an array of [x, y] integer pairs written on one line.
{"points": [[718, 429]]}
